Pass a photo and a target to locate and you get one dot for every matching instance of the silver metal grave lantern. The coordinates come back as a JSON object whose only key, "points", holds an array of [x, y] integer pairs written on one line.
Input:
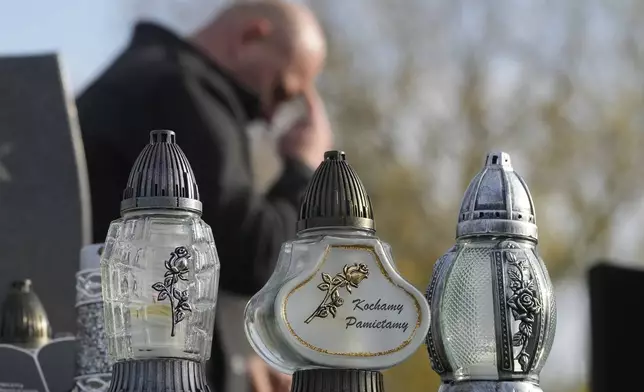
{"points": [[160, 274], [93, 364], [336, 311], [493, 308]]}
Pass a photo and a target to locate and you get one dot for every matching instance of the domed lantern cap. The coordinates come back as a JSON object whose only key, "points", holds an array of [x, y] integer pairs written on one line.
{"points": [[497, 202], [336, 197], [24, 319], [161, 178]]}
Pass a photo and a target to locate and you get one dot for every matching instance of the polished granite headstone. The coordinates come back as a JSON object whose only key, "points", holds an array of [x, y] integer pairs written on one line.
{"points": [[47, 369], [44, 213], [614, 296], [44, 194]]}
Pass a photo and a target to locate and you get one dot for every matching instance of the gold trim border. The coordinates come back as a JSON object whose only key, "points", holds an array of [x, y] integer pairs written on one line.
{"points": [[372, 251]]}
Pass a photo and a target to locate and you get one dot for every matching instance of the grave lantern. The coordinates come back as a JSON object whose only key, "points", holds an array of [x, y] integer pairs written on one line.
{"points": [[493, 308], [336, 310], [160, 274]]}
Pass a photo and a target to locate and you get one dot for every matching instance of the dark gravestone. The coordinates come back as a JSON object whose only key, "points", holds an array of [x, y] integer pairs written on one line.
{"points": [[615, 299], [58, 362], [20, 371], [47, 369], [44, 194]]}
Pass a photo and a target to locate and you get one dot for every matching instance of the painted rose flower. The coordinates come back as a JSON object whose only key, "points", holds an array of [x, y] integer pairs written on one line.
{"points": [[351, 276], [355, 274]]}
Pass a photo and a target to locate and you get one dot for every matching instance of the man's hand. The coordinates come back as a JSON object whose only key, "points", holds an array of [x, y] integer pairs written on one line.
{"points": [[311, 137], [263, 378]]}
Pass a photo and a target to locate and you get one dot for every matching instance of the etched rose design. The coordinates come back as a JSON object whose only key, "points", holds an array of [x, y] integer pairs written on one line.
{"points": [[176, 269], [178, 263], [351, 276]]}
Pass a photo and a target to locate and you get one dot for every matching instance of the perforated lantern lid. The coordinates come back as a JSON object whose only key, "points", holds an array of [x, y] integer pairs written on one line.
{"points": [[161, 178], [497, 202], [336, 197]]}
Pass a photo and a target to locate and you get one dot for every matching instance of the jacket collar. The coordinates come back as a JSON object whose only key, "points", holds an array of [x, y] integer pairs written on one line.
{"points": [[151, 34]]}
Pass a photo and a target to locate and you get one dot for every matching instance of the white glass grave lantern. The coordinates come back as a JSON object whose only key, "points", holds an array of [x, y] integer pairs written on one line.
{"points": [[336, 311]]}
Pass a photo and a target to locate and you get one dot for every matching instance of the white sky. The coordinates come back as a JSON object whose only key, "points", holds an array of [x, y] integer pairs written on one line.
{"points": [[88, 33]]}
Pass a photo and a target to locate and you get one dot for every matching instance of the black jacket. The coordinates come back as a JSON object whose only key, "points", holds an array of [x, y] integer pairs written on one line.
{"points": [[162, 82]]}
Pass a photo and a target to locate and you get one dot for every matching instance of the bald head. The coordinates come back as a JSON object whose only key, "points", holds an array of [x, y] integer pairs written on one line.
{"points": [[275, 48]]}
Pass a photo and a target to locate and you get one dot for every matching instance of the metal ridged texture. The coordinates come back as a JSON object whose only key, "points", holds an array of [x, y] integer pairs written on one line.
{"points": [[161, 178], [158, 375], [335, 197], [337, 380], [497, 202], [24, 320]]}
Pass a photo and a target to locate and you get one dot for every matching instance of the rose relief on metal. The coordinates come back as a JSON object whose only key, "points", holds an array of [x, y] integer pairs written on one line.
{"points": [[524, 304], [520, 308]]}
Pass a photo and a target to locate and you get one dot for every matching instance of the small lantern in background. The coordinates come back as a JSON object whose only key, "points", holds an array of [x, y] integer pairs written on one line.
{"points": [[24, 319]]}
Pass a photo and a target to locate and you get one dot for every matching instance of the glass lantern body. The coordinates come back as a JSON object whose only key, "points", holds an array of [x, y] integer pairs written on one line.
{"points": [[306, 318], [494, 309], [160, 274]]}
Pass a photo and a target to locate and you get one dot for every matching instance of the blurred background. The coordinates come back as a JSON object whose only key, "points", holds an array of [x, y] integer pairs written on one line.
{"points": [[420, 90]]}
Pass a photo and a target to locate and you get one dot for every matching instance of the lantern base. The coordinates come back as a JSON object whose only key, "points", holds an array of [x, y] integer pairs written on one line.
{"points": [[159, 375], [490, 386], [337, 380]]}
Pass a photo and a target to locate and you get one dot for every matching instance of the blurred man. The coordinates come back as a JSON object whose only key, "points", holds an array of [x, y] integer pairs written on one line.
{"points": [[240, 67]]}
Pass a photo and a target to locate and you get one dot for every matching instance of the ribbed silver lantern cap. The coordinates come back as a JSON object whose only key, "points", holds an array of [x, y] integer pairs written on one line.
{"points": [[161, 178], [497, 202]]}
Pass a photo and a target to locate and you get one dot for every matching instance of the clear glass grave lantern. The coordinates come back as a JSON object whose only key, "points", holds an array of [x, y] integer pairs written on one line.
{"points": [[336, 310], [160, 274], [493, 308]]}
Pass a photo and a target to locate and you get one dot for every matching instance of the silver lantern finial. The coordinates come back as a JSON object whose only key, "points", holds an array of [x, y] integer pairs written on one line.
{"points": [[497, 202], [493, 309]]}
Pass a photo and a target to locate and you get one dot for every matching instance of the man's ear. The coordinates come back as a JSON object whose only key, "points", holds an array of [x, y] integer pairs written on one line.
{"points": [[255, 30]]}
